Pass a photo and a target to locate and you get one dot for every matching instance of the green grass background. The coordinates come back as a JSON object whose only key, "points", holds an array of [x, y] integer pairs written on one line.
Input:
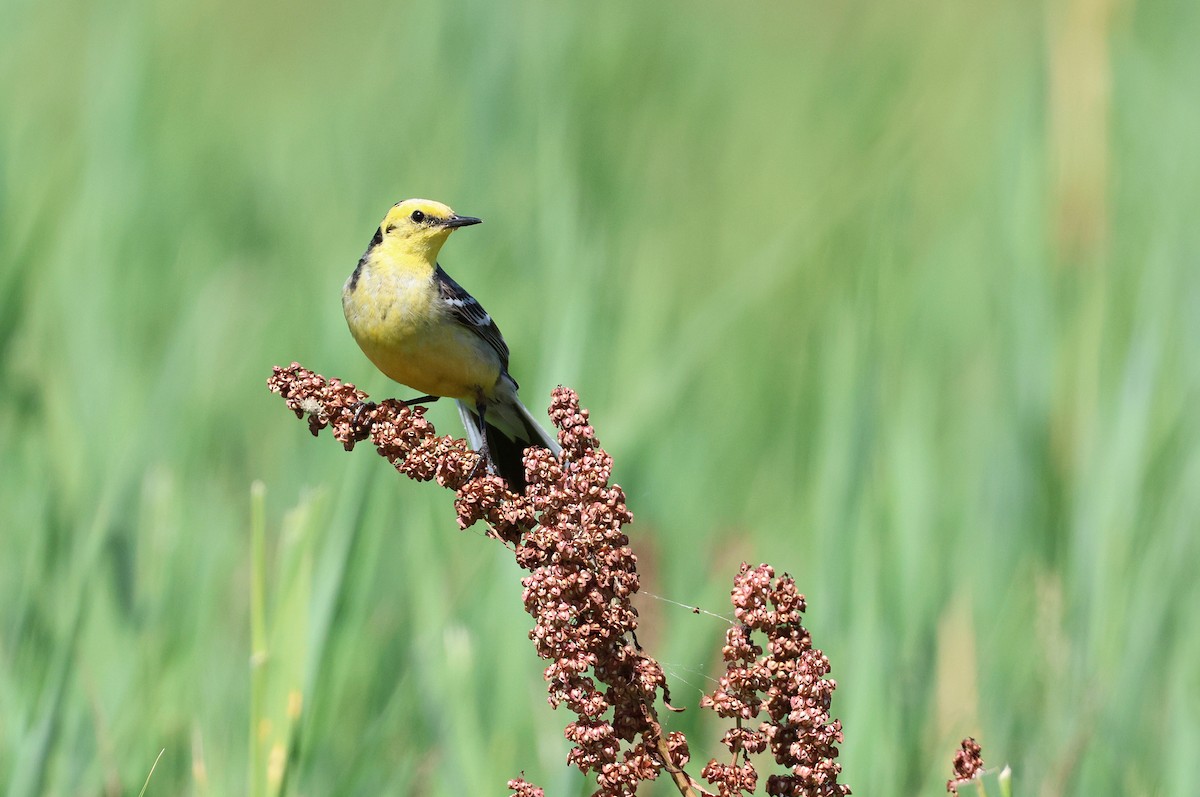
{"points": [[902, 298]]}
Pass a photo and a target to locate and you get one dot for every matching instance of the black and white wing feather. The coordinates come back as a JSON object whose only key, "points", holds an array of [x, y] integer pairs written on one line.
{"points": [[470, 313], [509, 427]]}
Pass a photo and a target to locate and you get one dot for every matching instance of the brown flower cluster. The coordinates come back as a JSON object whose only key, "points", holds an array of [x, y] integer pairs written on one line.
{"points": [[968, 764], [566, 531], [582, 574], [789, 683], [523, 788], [404, 438]]}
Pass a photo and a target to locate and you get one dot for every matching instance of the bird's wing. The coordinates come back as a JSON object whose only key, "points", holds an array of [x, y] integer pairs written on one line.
{"points": [[470, 313]]}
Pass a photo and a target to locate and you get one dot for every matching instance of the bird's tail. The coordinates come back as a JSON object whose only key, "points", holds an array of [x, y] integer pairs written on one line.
{"points": [[507, 429]]}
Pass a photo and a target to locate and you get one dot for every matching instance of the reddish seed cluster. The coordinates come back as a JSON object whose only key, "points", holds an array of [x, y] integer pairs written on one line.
{"points": [[582, 574], [322, 400], [789, 683], [566, 531], [523, 788], [730, 779], [400, 433], [968, 764], [403, 437]]}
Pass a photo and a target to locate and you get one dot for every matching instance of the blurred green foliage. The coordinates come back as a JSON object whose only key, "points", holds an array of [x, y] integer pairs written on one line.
{"points": [[902, 298]]}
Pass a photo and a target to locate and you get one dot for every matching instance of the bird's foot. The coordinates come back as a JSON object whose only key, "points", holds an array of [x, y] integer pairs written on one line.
{"points": [[485, 459], [360, 409]]}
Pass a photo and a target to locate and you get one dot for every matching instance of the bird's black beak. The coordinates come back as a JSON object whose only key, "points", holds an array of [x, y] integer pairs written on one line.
{"points": [[461, 221]]}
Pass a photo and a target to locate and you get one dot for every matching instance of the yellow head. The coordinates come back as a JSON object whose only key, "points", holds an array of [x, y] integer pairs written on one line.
{"points": [[418, 228]]}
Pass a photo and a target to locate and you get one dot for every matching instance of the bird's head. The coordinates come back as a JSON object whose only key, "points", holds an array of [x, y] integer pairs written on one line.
{"points": [[419, 227]]}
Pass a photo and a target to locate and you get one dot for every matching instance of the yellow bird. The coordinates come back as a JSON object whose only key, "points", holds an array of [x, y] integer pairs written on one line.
{"points": [[424, 330]]}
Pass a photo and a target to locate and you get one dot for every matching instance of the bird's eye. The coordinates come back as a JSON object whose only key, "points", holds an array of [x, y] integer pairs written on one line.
{"points": [[417, 216]]}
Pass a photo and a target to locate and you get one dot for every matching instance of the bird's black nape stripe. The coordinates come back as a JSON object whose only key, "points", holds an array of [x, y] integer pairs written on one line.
{"points": [[376, 240]]}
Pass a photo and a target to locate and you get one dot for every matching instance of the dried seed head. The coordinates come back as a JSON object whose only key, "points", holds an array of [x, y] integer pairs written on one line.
{"points": [[523, 788], [788, 683], [968, 764], [567, 532]]}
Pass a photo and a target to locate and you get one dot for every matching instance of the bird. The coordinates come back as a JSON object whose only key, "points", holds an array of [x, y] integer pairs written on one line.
{"points": [[424, 330]]}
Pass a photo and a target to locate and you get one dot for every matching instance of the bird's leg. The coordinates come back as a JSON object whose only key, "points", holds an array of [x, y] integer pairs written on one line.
{"points": [[364, 407], [485, 456]]}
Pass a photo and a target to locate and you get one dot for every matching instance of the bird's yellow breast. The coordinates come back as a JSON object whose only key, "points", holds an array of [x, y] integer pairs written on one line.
{"points": [[400, 322]]}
